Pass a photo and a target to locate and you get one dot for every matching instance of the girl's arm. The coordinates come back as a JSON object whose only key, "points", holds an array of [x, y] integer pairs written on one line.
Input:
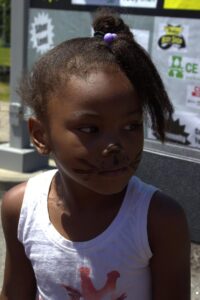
{"points": [[19, 280], [170, 244]]}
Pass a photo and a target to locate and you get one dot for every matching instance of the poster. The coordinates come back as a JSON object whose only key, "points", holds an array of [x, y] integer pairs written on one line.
{"points": [[142, 37], [182, 4], [175, 53], [41, 33], [49, 27], [183, 130], [122, 3], [173, 36], [193, 96]]}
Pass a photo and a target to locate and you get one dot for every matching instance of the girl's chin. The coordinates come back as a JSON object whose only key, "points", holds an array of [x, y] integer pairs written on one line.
{"points": [[104, 183], [109, 186]]}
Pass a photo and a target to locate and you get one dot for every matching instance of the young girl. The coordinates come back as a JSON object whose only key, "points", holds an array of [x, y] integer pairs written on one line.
{"points": [[91, 229]]}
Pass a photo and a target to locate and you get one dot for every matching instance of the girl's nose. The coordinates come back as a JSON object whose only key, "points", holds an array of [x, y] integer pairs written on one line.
{"points": [[112, 149]]}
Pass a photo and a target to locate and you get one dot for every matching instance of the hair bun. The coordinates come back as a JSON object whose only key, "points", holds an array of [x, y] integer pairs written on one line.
{"points": [[108, 21]]}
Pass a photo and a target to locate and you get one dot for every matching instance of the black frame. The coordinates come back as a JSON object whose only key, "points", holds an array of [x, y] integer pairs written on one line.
{"points": [[158, 11]]}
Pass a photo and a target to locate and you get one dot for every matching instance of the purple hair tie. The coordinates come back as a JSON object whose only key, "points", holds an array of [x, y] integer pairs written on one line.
{"points": [[109, 37]]}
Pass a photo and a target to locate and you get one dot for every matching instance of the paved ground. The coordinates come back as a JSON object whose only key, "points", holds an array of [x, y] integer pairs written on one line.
{"points": [[2, 254], [195, 272], [4, 137], [4, 118]]}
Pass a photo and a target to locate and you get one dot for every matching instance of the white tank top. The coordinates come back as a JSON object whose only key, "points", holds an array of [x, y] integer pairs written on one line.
{"points": [[112, 266]]}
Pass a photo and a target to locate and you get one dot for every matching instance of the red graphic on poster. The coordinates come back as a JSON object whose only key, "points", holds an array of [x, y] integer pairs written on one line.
{"points": [[196, 91]]}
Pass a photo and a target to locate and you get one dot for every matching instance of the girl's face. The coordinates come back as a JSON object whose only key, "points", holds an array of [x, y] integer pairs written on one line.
{"points": [[95, 131]]}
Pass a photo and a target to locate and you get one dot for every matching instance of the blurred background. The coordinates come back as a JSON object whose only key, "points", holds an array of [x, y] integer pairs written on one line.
{"points": [[5, 15]]}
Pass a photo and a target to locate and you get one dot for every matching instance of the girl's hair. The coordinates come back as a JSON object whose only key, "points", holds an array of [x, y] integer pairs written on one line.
{"points": [[80, 56]]}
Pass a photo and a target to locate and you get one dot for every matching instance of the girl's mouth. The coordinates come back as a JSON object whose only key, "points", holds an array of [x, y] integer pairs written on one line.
{"points": [[105, 169], [107, 172], [114, 172], [85, 172]]}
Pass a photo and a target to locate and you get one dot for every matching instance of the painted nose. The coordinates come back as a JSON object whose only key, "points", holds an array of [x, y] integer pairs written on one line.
{"points": [[112, 149]]}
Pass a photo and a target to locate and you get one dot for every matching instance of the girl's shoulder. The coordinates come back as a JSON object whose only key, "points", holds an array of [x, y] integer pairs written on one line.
{"points": [[10, 214], [167, 222], [169, 241], [13, 198], [162, 204], [17, 267], [11, 205]]}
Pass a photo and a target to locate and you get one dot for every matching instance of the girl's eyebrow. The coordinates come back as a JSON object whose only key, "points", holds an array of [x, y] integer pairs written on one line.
{"points": [[85, 113], [91, 113]]}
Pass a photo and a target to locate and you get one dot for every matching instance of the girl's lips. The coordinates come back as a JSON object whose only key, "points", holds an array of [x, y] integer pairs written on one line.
{"points": [[83, 172], [114, 172]]}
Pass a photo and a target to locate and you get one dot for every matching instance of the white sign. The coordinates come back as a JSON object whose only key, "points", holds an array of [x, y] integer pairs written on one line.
{"points": [[185, 129], [42, 33], [173, 37], [191, 121], [123, 3], [193, 96], [142, 37]]}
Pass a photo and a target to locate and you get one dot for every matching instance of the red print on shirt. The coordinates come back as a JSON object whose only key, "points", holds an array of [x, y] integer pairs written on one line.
{"points": [[89, 292]]}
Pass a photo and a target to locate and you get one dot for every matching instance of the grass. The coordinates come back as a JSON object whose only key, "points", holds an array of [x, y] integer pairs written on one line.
{"points": [[4, 74], [4, 91], [4, 56]]}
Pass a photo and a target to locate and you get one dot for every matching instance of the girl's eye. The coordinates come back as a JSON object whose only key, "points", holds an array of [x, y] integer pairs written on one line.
{"points": [[91, 129], [132, 127]]}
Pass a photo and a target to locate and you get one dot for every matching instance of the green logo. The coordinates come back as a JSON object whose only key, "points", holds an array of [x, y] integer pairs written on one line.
{"points": [[184, 67], [176, 69]]}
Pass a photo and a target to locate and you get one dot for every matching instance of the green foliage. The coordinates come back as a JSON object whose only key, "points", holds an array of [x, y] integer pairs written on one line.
{"points": [[5, 2], [5, 6], [4, 91], [5, 9], [4, 56]]}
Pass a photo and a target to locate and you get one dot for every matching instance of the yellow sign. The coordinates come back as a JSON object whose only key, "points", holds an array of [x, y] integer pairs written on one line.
{"points": [[182, 4], [173, 30]]}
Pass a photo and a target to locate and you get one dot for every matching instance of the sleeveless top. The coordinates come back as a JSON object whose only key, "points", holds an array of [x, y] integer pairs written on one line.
{"points": [[112, 266]]}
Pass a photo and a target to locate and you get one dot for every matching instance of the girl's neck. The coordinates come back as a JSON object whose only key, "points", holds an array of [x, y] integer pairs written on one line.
{"points": [[77, 198]]}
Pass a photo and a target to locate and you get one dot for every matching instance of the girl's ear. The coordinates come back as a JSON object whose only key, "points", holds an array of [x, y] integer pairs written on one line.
{"points": [[38, 136]]}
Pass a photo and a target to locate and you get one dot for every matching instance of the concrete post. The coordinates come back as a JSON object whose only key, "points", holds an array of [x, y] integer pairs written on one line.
{"points": [[19, 155], [19, 137]]}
